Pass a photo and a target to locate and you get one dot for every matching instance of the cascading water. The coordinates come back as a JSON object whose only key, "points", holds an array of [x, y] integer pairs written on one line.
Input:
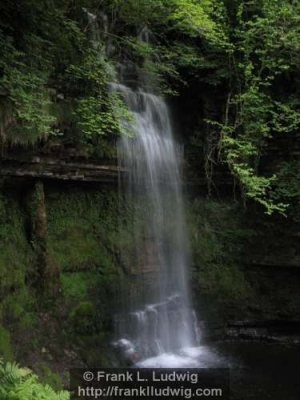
{"points": [[158, 320]]}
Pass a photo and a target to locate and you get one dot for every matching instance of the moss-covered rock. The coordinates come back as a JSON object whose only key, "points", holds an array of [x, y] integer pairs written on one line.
{"points": [[231, 279], [80, 237], [84, 319]]}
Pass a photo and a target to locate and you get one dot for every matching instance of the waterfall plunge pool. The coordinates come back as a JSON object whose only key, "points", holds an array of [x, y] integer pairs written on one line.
{"points": [[258, 370]]}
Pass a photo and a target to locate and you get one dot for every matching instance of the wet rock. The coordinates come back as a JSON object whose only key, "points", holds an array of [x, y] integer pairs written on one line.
{"points": [[126, 351], [285, 332]]}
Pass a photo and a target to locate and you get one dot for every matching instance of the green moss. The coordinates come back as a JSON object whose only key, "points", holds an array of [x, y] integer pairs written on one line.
{"points": [[81, 229], [77, 248], [83, 319], [226, 239], [83, 238], [76, 285], [16, 257], [17, 304], [228, 282], [16, 261], [217, 236], [5, 344], [88, 343], [28, 321]]}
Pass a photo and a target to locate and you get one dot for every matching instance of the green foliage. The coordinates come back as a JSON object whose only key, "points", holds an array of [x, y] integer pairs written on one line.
{"points": [[288, 181], [199, 19], [98, 112], [47, 377], [30, 118], [242, 54], [185, 16], [210, 43], [264, 53], [240, 155], [172, 28], [91, 118], [37, 39], [18, 383], [45, 57], [287, 188]]}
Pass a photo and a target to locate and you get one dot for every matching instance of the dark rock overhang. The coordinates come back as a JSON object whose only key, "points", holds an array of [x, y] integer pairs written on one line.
{"points": [[59, 169]]}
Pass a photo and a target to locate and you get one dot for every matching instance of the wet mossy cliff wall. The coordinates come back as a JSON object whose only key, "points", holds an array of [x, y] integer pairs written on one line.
{"points": [[59, 271], [246, 263], [64, 252]]}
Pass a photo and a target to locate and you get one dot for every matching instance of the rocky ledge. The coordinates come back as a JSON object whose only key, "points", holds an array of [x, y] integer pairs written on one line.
{"points": [[275, 331], [28, 166]]}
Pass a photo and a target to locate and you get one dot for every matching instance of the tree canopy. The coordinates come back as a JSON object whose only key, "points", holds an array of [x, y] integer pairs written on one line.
{"points": [[240, 58]]}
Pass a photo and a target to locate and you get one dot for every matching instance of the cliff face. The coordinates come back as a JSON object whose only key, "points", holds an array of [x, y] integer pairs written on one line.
{"points": [[63, 256], [59, 271], [57, 164], [246, 263]]}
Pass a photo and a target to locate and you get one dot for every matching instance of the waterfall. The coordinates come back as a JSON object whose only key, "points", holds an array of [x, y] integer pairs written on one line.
{"points": [[156, 325], [158, 319]]}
